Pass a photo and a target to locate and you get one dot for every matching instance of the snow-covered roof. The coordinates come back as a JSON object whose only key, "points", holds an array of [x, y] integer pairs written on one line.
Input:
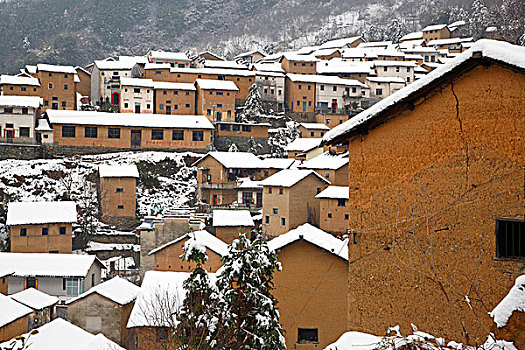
{"points": [[457, 24], [128, 119], [43, 125], [290, 177], [412, 36], [31, 69], [215, 71], [114, 65], [300, 58], [421, 49], [235, 160], [34, 299], [62, 335], [224, 64], [208, 84], [246, 182], [394, 63], [325, 52], [164, 85], [235, 218], [334, 192], [165, 55], [5, 271], [203, 237], [491, 29], [148, 309], [514, 301], [116, 289], [148, 83], [28, 213], [450, 41], [385, 80], [341, 67], [11, 310], [313, 235], [314, 126], [494, 50], [55, 68], [48, 265], [339, 43], [20, 101], [134, 59], [118, 170], [434, 27], [306, 50], [150, 65], [277, 163], [406, 45], [268, 67], [249, 53], [325, 161], [375, 44], [303, 144], [18, 80], [322, 79], [77, 68]]}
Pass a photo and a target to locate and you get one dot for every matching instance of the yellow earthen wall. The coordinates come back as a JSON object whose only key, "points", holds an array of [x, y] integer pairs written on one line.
{"points": [[168, 259], [110, 199], [34, 242]]}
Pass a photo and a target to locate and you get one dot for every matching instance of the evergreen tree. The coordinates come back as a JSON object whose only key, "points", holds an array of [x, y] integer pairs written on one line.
{"points": [[253, 107], [197, 315], [479, 19], [249, 318]]}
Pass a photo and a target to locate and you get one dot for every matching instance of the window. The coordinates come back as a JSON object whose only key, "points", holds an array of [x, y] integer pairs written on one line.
{"points": [[208, 112], [161, 106], [329, 215], [25, 110], [346, 216], [157, 134], [90, 132], [198, 136], [236, 127], [321, 87], [385, 69], [23, 232], [120, 207], [510, 239], [275, 211], [307, 335], [334, 88], [318, 190], [24, 131], [23, 88], [309, 87], [354, 90], [247, 128], [136, 90], [64, 104], [300, 87], [224, 127], [73, 287], [266, 219], [31, 282], [62, 230], [45, 231], [397, 69], [66, 87], [126, 105], [50, 86], [114, 133], [177, 135], [219, 105], [68, 131], [175, 92], [283, 222], [341, 202], [408, 79], [280, 191], [379, 91], [119, 190], [219, 93], [408, 69], [269, 190]]}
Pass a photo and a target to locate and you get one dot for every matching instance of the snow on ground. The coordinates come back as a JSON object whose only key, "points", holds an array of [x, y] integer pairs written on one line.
{"points": [[166, 181]]}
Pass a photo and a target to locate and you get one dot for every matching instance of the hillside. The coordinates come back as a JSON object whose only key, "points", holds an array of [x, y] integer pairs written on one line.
{"points": [[77, 32]]}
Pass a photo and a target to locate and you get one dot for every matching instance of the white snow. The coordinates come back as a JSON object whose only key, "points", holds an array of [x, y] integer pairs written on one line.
{"points": [[323, 79], [334, 192], [277, 163], [208, 84], [5, 271], [268, 67], [149, 66], [313, 235], [55, 68], [386, 80], [289, 177], [496, 50], [20, 101], [203, 237], [355, 341], [18, 80], [412, 36], [314, 126], [449, 41], [246, 182], [128, 119], [293, 57], [375, 44], [224, 64], [223, 218], [165, 55], [27, 213], [235, 160], [336, 66], [164, 85], [514, 301], [43, 125], [339, 43], [97, 246], [116, 289], [118, 170], [11, 310], [434, 27], [34, 299], [325, 161], [303, 144], [114, 65], [214, 71], [48, 265], [139, 82], [62, 335]]}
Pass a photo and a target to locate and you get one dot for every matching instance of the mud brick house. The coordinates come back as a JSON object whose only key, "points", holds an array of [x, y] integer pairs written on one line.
{"points": [[304, 148], [299, 64], [117, 190], [333, 209], [299, 96], [229, 223], [41, 227], [250, 56], [174, 98], [5, 272], [245, 136], [508, 315], [174, 59], [168, 256], [436, 32], [218, 172], [381, 87], [105, 80], [315, 130], [311, 287], [42, 305], [271, 166], [216, 99], [330, 165], [60, 275], [157, 71], [344, 43], [327, 54], [105, 308], [14, 318], [130, 131], [18, 117], [19, 85], [83, 86], [436, 197], [136, 96], [289, 200], [57, 86]]}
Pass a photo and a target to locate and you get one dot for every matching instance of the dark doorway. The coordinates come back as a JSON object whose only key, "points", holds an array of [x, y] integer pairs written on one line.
{"points": [[115, 98]]}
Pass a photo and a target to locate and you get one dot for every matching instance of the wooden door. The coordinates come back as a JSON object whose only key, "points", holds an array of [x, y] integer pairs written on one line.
{"points": [[136, 138]]}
